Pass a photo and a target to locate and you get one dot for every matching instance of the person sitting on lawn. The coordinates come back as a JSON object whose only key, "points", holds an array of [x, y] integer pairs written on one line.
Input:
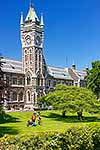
{"points": [[34, 117], [29, 123]]}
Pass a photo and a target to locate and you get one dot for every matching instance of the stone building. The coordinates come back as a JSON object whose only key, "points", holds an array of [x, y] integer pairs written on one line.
{"points": [[78, 76], [32, 77]]}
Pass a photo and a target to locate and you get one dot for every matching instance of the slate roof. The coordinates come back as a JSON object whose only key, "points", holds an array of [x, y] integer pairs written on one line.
{"points": [[15, 66], [59, 73], [80, 73], [12, 66]]}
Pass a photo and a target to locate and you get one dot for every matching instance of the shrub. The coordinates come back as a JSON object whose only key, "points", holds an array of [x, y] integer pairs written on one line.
{"points": [[75, 138]]}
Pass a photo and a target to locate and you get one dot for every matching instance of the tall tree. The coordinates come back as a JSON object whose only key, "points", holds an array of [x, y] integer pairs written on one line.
{"points": [[93, 78], [69, 98]]}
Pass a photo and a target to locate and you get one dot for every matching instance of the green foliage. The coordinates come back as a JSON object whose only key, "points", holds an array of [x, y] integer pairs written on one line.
{"points": [[70, 98], [75, 138], [1, 111], [15, 122], [93, 78]]}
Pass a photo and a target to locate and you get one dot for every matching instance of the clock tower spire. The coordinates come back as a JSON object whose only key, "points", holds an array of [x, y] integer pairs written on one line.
{"points": [[32, 35]]}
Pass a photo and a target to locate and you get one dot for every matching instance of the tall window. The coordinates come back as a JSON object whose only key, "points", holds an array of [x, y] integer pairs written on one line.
{"points": [[28, 80], [20, 97], [36, 61], [49, 82], [26, 58], [20, 81], [15, 80], [34, 98], [39, 56], [28, 96], [35, 66], [38, 81], [30, 57], [7, 80], [14, 96], [36, 56]]}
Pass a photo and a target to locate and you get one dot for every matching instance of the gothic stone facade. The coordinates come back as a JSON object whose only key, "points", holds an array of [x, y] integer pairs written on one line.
{"points": [[32, 77]]}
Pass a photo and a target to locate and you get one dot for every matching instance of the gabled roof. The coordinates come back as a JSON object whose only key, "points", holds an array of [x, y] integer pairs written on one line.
{"points": [[31, 14], [15, 66], [12, 66], [81, 74], [59, 73]]}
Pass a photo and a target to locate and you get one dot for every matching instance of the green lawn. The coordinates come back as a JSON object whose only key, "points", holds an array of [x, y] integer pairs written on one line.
{"points": [[51, 120]]}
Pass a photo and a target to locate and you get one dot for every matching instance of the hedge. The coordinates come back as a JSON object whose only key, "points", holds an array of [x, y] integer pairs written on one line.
{"points": [[75, 138]]}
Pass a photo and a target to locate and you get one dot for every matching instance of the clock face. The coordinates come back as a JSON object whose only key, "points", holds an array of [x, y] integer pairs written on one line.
{"points": [[28, 39], [38, 40]]}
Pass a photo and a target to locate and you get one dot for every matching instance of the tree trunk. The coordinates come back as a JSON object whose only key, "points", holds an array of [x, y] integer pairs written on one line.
{"points": [[64, 113], [80, 116]]}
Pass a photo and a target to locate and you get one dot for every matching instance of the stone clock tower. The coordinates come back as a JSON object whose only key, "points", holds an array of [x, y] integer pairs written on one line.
{"points": [[32, 34]]}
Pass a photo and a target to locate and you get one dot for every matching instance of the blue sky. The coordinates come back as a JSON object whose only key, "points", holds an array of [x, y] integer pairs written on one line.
{"points": [[72, 30]]}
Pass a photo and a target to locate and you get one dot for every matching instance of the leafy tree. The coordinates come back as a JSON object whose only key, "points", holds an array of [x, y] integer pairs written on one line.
{"points": [[70, 98], [93, 78], [3, 86]]}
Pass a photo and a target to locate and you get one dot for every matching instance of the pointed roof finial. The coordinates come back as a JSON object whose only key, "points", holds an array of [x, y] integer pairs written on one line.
{"points": [[30, 2], [31, 14], [42, 21], [21, 19]]}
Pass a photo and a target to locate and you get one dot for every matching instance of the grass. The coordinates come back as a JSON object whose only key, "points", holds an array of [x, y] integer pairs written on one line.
{"points": [[51, 121]]}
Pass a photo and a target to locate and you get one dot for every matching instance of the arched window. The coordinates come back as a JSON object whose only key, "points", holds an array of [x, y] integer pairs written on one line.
{"points": [[20, 97], [38, 81], [28, 80], [28, 96], [34, 98], [14, 96]]}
